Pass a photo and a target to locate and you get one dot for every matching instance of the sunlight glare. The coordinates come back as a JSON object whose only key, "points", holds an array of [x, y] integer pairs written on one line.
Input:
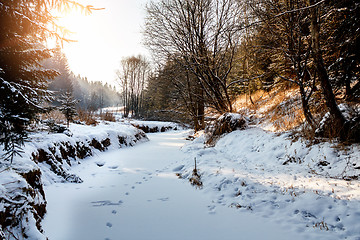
{"points": [[103, 38]]}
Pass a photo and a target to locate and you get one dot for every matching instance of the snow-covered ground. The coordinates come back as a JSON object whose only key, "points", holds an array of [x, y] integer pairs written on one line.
{"points": [[297, 186], [48, 158], [247, 191], [136, 195], [255, 185]]}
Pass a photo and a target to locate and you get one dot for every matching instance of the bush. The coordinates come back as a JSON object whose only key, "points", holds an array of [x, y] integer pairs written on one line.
{"points": [[88, 117], [108, 116]]}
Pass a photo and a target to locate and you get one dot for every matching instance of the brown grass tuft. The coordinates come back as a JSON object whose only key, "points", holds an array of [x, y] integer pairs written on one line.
{"points": [[108, 116], [88, 117]]}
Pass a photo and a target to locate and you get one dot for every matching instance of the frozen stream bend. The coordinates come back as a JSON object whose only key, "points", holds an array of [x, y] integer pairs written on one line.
{"points": [[133, 193]]}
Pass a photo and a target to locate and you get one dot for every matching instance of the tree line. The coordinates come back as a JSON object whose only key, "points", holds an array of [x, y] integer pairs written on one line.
{"points": [[210, 51], [207, 52]]}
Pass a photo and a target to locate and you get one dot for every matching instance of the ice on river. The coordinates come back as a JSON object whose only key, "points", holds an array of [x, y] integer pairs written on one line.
{"points": [[135, 194]]}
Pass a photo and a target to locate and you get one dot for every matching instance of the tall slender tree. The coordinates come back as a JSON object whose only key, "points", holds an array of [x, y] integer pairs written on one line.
{"points": [[132, 79]]}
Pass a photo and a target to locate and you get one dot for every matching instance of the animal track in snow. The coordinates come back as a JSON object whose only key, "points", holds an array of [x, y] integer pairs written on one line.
{"points": [[106, 203], [165, 199], [113, 167], [211, 209]]}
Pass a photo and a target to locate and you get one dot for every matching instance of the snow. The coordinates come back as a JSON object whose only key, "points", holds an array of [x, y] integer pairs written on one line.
{"points": [[255, 185], [154, 124], [136, 195], [246, 170], [247, 192], [21, 198]]}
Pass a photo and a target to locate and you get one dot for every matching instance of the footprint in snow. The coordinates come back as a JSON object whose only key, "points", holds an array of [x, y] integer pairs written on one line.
{"points": [[100, 164], [211, 209], [178, 168], [163, 199], [108, 224], [113, 167], [114, 212], [106, 203]]}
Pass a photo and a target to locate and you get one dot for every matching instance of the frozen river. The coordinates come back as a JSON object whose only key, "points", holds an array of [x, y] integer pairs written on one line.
{"points": [[133, 193]]}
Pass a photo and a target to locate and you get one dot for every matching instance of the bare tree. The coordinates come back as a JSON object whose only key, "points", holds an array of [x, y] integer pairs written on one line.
{"points": [[132, 79], [283, 34], [204, 34]]}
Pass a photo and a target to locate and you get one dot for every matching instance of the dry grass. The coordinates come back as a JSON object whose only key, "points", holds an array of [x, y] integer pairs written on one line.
{"points": [[244, 101], [55, 115], [107, 116], [321, 225], [286, 115], [88, 117], [282, 109]]}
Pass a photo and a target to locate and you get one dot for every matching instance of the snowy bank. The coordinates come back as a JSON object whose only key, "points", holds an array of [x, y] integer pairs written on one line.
{"points": [[311, 188], [47, 158], [154, 126]]}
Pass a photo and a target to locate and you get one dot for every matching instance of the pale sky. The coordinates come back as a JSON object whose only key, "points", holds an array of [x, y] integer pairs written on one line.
{"points": [[104, 37]]}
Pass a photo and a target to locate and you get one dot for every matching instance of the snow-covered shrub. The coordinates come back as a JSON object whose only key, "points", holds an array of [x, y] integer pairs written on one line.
{"points": [[226, 123], [22, 203], [55, 128], [153, 127]]}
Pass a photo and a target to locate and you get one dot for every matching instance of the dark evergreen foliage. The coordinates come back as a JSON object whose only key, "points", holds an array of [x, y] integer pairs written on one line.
{"points": [[24, 27], [68, 106], [63, 82]]}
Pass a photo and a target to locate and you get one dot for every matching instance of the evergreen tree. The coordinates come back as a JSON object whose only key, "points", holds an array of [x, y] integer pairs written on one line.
{"points": [[63, 82], [24, 27], [68, 107]]}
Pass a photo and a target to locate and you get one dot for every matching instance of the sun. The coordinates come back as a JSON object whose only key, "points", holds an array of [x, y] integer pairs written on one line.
{"points": [[102, 38], [83, 31], [70, 24]]}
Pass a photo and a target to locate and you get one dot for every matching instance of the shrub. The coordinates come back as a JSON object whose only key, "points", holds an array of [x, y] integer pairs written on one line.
{"points": [[87, 117], [108, 116]]}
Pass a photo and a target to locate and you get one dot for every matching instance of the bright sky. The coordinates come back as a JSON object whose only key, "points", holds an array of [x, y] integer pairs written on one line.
{"points": [[104, 37]]}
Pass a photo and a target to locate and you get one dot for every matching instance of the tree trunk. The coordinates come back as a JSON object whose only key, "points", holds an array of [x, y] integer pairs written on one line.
{"points": [[200, 110], [336, 115], [305, 106]]}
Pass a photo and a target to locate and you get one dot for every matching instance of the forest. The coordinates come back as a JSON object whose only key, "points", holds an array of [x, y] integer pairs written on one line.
{"points": [[212, 52], [207, 53]]}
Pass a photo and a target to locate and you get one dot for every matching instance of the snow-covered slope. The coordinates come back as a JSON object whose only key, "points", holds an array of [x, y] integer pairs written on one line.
{"points": [[311, 188]]}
